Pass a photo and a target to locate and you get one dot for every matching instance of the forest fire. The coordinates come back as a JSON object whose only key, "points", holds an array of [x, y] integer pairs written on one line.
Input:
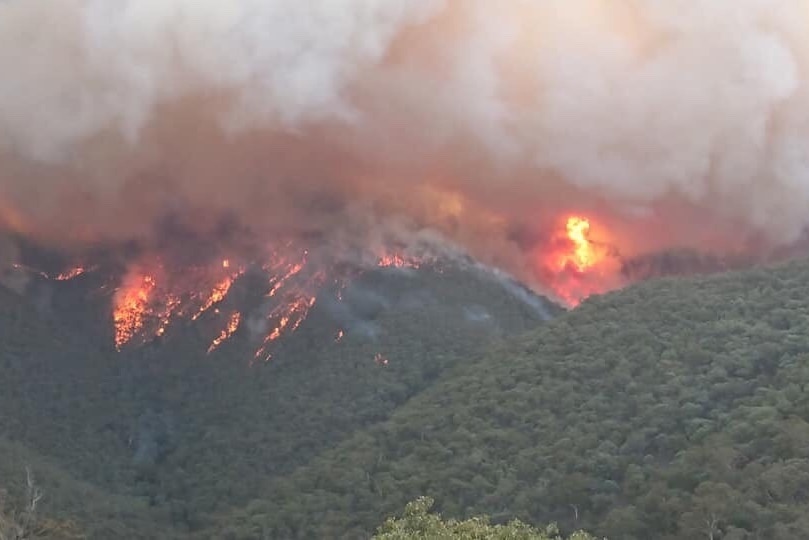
{"points": [[145, 305], [583, 256], [157, 292], [577, 265], [318, 136], [218, 293], [230, 329], [131, 306], [398, 261], [72, 273]]}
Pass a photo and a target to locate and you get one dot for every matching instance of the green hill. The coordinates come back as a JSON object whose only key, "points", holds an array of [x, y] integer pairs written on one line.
{"points": [[676, 409], [72, 508], [190, 435]]}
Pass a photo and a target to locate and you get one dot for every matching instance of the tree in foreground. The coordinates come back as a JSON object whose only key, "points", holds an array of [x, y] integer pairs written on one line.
{"points": [[418, 522], [26, 524]]}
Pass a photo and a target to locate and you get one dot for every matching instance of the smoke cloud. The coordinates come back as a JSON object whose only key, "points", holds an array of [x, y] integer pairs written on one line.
{"points": [[671, 122]]}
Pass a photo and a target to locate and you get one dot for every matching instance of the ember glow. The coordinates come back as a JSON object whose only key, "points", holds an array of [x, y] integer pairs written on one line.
{"points": [[155, 295], [132, 306], [229, 330], [151, 297], [67, 275], [218, 293], [398, 261], [297, 286], [70, 274]]}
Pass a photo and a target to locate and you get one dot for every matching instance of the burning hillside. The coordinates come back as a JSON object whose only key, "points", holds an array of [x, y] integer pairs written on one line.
{"points": [[558, 141], [156, 291], [159, 287]]}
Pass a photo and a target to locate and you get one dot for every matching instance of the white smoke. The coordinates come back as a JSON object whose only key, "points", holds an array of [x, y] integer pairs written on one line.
{"points": [[694, 114]]}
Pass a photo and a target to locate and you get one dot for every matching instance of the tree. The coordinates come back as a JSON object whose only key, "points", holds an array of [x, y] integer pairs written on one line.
{"points": [[26, 523], [18, 525], [418, 523]]}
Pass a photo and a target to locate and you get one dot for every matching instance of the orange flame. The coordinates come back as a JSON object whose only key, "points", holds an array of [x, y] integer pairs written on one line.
{"points": [[577, 266], [229, 330], [220, 290], [131, 306], [70, 274], [398, 261], [142, 308], [289, 317], [584, 255], [279, 282], [300, 290]]}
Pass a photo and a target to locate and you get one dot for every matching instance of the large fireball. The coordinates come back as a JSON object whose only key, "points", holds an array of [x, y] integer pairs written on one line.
{"points": [[574, 264]]}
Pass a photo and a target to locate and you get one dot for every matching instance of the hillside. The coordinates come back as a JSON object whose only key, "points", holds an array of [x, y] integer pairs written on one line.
{"points": [[72, 508], [187, 434], [676, 409]]}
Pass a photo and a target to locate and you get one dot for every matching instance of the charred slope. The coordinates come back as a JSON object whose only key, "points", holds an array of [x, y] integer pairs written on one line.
{"points": [[196, 433], [675, 409]]}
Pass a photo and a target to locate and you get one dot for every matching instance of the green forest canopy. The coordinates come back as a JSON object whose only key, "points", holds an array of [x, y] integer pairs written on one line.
{"points": [[675, 409]]}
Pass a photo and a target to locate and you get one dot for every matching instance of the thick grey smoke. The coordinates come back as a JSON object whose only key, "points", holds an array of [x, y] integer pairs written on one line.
{"points": [[663, 118]]}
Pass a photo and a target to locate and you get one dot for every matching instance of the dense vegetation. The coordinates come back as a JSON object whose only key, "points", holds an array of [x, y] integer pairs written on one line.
{"points": [[178, 436], [418, 523], [676, 409]]}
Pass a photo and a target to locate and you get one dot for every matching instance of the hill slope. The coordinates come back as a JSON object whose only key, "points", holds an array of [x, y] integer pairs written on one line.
{"points": [[676, 409], [193, 434]]}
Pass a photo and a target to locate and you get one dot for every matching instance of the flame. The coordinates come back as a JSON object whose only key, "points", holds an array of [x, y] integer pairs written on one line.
{"points": [[147, 307], [278, 282], [298, 286], [152, 296], [584, 255], [220, 290], [142, 308], [64, 276], [131, 306], [577, 266], [72, 273], [229, 330], [289, 317], [172, 304], [398, 261]]}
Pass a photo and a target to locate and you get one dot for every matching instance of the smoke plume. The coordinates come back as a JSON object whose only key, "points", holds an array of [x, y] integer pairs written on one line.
{"points": [[670, 122]]}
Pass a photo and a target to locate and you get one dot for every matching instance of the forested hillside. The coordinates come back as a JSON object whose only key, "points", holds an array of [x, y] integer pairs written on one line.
{"points": [[178, 436], [676, 409]]}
